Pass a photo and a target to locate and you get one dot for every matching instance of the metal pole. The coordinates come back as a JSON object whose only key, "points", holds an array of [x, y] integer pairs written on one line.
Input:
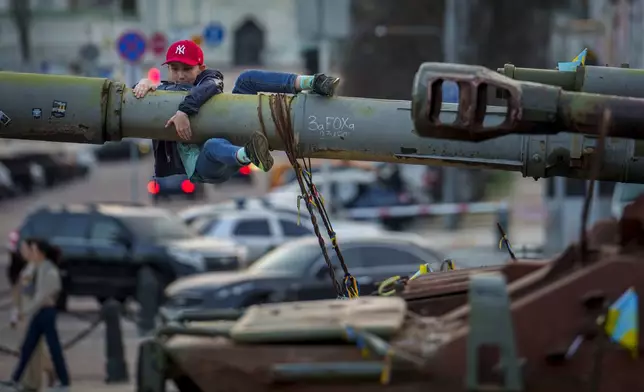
{"points": [[596, 207], [559, 235], [324, 63], [450, 43], [132, 79]]}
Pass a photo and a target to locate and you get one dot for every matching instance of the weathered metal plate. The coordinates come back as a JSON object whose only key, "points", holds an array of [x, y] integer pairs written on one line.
{"points": [[317, 320], [458, 280]]}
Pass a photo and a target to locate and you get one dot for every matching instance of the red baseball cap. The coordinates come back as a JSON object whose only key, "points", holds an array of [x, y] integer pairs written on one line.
{"points": [[186, 52]]}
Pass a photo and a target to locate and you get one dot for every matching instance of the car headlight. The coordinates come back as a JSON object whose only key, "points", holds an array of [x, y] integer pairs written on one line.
{"points": [[233, 291], [193, 259]]}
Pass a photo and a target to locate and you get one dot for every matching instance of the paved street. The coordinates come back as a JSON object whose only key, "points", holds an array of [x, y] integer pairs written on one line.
{"points": [[113, 182]]}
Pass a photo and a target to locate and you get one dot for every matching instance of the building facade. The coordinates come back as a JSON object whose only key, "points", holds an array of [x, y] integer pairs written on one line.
{"points": [[80, 36]]}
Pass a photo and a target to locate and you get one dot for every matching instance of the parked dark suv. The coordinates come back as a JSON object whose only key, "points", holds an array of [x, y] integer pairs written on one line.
{"points": [[107, 248]]}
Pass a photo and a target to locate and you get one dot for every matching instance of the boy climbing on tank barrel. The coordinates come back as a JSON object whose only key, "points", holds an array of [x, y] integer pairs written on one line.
{"points": [[216, 160]]}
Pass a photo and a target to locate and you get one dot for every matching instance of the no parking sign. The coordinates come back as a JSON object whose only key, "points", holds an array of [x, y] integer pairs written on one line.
{"points": [[132, 46]]}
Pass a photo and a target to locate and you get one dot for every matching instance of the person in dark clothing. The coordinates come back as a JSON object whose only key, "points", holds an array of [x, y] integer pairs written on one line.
{"points": [[216, 160]]}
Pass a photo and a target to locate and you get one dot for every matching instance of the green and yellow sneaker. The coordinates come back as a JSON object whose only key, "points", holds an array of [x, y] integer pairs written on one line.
{"points": [[257, 150]]}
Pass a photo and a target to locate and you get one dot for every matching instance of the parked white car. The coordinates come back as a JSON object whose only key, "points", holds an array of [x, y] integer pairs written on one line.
{"points": [[195, 215], [263, 230]]}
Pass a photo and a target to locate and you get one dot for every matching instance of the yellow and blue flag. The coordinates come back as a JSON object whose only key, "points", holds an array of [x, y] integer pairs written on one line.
{"points": [[622, 322], [571, 66]]}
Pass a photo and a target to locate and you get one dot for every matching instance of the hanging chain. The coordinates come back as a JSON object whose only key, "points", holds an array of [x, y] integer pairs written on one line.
{"points": [[280, 106]]}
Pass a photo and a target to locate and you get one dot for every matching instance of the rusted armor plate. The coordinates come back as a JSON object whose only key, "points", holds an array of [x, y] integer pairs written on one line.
{"points": [[438, 293]]}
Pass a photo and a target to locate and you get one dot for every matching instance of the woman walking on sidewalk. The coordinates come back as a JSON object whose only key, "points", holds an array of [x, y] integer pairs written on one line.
{"points": [[21, 275], [41, 311]]}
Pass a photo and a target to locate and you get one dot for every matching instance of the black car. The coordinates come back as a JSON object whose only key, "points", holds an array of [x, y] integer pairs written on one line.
{"points": [[106, 247], [297, 272], [56, 170], [27, 176], [177, 186]]}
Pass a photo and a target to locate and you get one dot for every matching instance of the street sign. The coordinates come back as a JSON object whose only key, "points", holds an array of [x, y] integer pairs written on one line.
{"points": [[213, 34], [131, 46], [158, 43]]}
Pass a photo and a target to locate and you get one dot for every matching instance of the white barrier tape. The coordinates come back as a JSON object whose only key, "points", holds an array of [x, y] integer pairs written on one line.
{"points": [[426, 209]]}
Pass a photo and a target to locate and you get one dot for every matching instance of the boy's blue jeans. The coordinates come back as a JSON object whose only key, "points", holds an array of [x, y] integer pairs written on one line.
{"points": [[43, 323], [218, 159]]}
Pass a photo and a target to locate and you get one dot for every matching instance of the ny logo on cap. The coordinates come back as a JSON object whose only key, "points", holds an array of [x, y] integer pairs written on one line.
{"points": [[181, 49]]}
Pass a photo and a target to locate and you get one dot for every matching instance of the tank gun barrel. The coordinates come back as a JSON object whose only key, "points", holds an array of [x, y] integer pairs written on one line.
{"points": [[92, 110], [621, 81], [532, 108]]}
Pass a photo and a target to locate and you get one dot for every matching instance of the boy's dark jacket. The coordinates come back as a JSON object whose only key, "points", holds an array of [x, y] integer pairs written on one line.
{"points": [[209, 83]]}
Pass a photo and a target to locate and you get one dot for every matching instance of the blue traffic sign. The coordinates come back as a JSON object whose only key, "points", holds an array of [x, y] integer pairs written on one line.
{"points": [[213, 34], [131, 46]]}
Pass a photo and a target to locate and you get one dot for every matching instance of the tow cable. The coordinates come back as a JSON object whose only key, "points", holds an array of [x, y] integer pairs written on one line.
{"points": [[280, 106]]}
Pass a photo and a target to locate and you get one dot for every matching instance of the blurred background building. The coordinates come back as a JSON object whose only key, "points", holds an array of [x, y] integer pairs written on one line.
{"points": [[80, 36]]}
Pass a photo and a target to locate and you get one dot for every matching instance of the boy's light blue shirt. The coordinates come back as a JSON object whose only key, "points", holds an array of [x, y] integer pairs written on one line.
{"points": [[189, 153]]}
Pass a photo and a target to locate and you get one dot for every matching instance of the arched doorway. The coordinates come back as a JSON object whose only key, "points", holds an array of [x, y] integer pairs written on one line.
{"points": [[249, 44]]}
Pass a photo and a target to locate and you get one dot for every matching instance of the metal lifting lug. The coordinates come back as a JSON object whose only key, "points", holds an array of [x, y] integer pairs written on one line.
{"points": [[469, 123]]}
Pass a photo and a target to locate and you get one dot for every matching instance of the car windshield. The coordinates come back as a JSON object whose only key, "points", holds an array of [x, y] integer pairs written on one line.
{"points": [[291, 259], [630, 192], [158, 227], [202, 225]]}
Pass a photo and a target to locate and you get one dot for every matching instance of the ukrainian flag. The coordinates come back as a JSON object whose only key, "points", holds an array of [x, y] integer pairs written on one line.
{"points": [[622, 322], [572, 65]]}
